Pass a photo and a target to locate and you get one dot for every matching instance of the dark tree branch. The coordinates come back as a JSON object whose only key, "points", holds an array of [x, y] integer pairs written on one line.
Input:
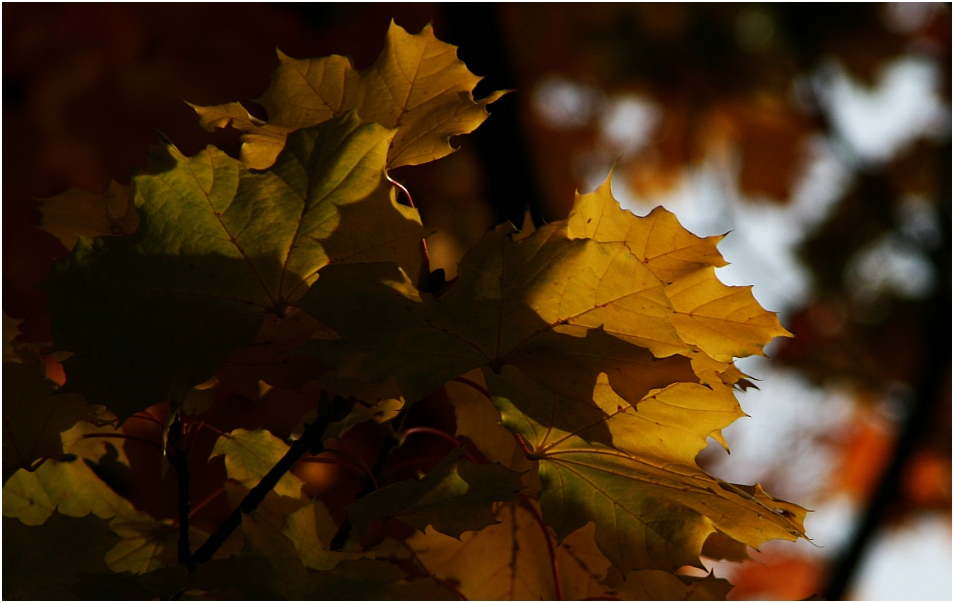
{"points": [[937, 360], [180, 462], [257, 494]]}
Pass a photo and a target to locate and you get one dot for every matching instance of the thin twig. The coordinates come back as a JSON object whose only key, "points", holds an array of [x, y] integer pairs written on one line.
{"points": [[257, 494]]}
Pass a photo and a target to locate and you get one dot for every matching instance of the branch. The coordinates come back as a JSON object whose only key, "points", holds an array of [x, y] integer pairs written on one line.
{"points": [[257, 494], [178, 459]]}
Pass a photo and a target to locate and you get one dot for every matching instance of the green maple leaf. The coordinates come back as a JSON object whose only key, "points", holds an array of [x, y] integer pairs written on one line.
{"points": [[417, 86], [631, 470], [455, 496], [219, 248]]}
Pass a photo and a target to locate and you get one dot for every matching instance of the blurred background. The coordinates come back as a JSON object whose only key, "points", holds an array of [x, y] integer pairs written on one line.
{"points": [[818, 136]]}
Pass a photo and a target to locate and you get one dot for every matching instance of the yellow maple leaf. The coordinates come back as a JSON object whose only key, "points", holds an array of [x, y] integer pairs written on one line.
{"points": [[417, 85]]}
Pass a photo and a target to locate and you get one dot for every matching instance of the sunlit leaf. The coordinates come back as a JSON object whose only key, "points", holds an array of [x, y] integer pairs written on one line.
{"points": [[511, 560], [70, 487], [250, 454], [510, 297], [632, 471], [658, 239], [417, 85]]}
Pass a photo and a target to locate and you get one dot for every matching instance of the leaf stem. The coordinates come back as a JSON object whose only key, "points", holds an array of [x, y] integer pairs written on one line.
{"points": [[206, 501], [522, 443], [257, 494], [410, 201]]}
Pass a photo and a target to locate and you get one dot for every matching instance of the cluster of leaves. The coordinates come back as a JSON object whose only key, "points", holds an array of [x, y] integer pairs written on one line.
{"points": [[585, 362]]}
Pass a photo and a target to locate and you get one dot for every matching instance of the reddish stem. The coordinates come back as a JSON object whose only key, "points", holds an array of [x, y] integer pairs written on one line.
{"points": [[410, 201], [212, 427], [122, 436], [205, 501], [474, 385], [546, 536], [522, 443]]}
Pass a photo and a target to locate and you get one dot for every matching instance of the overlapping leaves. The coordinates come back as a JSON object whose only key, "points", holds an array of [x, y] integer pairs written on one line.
{"points": [[220, 247], [417, 86], [556, 321], [603, 342]]}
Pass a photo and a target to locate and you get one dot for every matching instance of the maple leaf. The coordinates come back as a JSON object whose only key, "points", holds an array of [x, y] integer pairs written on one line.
{"points": [[657, 585], [250, 454], [417, 85], [148, 544], [34, 414], [631, 470], [69, 487], [268, 568], [511, 560], [78, 213], [555, 319], [725, 322], [218, 249], [455, 496], [510, 297], [478, 423], [269, 359], [311, 529]]}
